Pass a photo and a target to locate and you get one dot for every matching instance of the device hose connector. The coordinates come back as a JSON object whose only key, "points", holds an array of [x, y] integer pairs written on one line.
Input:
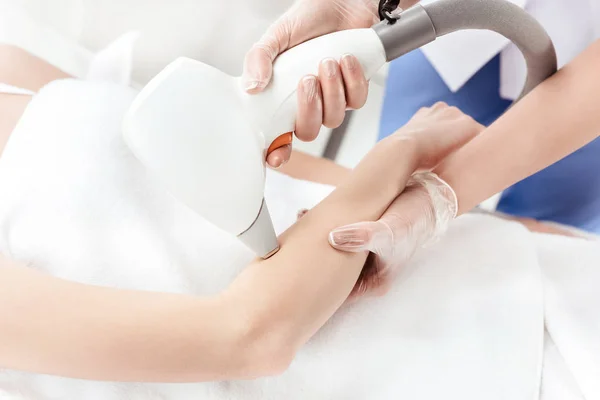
{"points": [[389, 10]]}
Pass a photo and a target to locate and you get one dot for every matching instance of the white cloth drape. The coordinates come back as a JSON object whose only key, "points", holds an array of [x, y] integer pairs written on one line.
{"points": [[216, 32]]}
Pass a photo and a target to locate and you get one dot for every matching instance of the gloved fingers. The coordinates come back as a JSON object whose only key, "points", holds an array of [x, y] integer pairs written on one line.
{"points": [[361, 237], [258, 68], [258, 63], [310, 109], [375, 278], [357, 86], [369, 277], [279, 156], [334, 96]]}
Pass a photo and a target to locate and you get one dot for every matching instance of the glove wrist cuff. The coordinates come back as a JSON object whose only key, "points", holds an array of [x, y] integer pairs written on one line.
{"points": [[444, 202]]}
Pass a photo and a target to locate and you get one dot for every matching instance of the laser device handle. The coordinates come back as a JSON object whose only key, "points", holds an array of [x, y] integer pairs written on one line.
{"points": [[387, 41], [274, 110]]}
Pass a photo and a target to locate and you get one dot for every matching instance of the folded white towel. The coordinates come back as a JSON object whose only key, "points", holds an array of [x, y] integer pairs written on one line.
{"points": [[571, 271]]}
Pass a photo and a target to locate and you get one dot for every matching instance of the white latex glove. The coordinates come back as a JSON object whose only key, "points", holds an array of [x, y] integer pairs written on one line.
{"points": [[340, 84], [415, 219]]}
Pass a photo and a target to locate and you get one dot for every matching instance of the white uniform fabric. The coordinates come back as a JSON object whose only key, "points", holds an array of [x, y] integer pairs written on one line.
{"points": [[573, 25], [220, 32], [71, 31], [465, 321]]}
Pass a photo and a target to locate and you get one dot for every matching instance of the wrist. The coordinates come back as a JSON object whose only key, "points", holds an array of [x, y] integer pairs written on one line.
{"points": [[405, 148]]}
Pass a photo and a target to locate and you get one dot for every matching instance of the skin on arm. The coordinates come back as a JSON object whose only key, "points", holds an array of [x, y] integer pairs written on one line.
{"points": [[554, 120], [314, 169]]}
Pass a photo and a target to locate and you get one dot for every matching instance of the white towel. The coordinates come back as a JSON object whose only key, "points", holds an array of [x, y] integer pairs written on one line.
{"points": [[571, 271]]}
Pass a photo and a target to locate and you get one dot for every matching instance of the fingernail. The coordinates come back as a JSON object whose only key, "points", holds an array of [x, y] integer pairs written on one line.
{"points": [[253, 84], [349, 62], [346, 238], [310, 87], [329, 65], [276, 162]]}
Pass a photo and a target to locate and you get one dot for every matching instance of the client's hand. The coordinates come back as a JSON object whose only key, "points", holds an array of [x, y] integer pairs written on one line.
{"points": [[422, 212]]}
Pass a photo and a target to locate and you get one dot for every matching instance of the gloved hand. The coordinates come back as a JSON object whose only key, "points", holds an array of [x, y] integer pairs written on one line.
{"points": [[424, 209], [415, 219], [341, 83]]}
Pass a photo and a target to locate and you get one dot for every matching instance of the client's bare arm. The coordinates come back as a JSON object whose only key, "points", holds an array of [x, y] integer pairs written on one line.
{"points": [[314, 169]]}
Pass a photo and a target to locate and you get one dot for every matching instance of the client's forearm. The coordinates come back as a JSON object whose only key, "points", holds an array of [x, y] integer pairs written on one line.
{"points": [[314, 169], [52, 326], [291, 295], [557, 118]]}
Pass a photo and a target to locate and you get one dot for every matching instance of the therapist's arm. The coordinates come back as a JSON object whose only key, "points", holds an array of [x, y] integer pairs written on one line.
{"points": [[554, 120]]}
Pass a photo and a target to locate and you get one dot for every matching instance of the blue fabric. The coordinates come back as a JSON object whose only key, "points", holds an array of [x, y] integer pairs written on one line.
{"points": [[414, 83], [567, 192]]}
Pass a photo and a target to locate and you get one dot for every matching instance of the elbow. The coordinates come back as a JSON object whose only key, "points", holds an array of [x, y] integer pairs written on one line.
{"points": [[273, 362], [264, 349], [261, 344]]}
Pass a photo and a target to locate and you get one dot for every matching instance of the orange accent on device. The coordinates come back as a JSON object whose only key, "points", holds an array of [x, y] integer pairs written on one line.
{"points": [[280, 141]]}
